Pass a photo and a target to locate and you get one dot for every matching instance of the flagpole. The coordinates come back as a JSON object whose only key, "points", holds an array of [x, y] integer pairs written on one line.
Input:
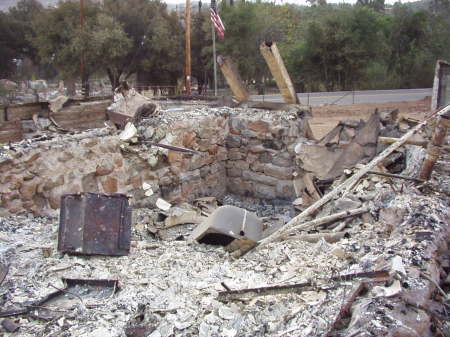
{"points": [[187, 67], [214, 59]]}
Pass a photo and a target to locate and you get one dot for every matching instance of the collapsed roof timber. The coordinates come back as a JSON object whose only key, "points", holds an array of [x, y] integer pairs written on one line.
{"points": [[206, 220]]}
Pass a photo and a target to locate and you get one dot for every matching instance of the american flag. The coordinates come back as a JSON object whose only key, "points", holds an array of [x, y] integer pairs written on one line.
{"points": [[217, 22]]}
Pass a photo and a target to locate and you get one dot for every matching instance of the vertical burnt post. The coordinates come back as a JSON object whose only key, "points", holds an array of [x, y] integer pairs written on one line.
{"points": [[434, 148], [278, 70], [231, 73]]}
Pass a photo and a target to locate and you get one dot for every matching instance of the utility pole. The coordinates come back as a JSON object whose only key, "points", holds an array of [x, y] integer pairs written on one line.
{"points": [[84, 87], [187, 68]]}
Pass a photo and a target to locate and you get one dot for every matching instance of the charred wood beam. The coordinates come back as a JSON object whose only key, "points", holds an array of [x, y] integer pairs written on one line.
{"points": [[269, 51], [316, 237], [326, 219], [435, 146], [231, 74], [398, 176], [298, 287]]}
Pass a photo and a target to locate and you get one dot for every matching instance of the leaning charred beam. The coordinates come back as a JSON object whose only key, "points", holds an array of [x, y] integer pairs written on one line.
{"points": [[273, 59], [231, 73]]}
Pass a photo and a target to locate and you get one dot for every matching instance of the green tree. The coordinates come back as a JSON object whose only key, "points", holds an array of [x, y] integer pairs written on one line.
{"points": [[15, 27], [8, 46], [199, 47], [62, 43], [337, 46], [377, 5], [156, 36]]}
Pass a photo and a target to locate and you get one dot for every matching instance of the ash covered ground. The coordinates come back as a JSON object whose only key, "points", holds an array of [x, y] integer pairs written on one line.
{"points": [[171, 288]]}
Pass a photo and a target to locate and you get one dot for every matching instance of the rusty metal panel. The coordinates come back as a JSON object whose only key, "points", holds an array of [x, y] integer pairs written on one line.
{"points": [[11, 131], [94, 224]]}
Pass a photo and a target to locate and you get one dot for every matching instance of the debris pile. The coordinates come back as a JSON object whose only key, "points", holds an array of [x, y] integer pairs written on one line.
{"points": [[200, 257]]}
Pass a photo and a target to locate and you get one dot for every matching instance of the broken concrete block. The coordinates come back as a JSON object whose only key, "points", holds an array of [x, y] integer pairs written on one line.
{"points": [[129, 132], [394, 289], [226, 224], [162, 204]]}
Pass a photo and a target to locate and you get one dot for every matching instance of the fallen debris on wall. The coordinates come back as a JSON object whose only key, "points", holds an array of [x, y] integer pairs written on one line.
{"points": [[130, 106]]}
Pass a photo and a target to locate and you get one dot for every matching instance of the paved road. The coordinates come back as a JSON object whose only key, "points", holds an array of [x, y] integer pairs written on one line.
{"points": [[347, 97]]}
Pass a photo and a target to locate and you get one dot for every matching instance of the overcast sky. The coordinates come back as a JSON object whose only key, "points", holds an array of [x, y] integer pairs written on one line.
{"points": [[300, 2]]}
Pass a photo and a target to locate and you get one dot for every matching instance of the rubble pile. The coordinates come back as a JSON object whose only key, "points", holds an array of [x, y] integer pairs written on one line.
{"points": [[189, 227], [171, 288]]}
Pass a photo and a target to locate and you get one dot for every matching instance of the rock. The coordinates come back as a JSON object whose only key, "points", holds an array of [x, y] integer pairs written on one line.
{"points": [[162, 204], [278, 172], [233, 141], [260, 178], [234, 172], [283, 159], [128, 132], [240, 164], [285, 189], [338, 252], [265, 191], [110, 185], [226, 312], [9, 325], [235, 154], [149, 132], [345, 204], [105, 168], [397, 266], [393, 290], [258, 126], [28, 188]]}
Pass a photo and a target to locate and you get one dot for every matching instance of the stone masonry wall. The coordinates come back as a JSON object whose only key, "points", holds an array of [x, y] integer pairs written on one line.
{"points": [[248, 154], [260, 157]]}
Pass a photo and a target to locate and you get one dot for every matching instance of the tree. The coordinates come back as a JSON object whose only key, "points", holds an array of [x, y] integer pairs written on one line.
{"points": [[199, 44], [62, 43], [8, 46], [242, 39], [337, 46], [15, 27], [377, 5], [156, 41]]}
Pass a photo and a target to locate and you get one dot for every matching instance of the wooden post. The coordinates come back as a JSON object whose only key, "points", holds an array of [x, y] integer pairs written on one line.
{"points": [[231, 73], [434, 148], [187, 68], [273, 59]]}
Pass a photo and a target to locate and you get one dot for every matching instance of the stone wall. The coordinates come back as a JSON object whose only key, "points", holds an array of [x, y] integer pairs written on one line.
{"points": [[261, 156], [248, 154]]}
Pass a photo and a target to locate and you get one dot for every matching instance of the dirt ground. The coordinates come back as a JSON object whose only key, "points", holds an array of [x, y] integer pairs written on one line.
{"points": [[326, 117]]}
